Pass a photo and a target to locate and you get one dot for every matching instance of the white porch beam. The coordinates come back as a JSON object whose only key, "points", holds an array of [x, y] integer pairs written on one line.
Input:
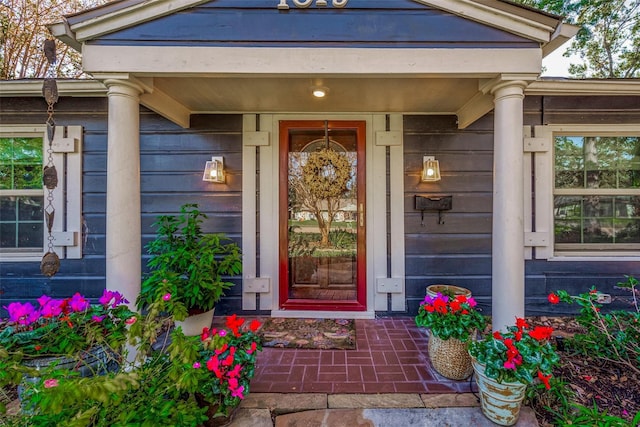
{"points": [[475, 108], [124, 245], [508, 205], [263, 62]]}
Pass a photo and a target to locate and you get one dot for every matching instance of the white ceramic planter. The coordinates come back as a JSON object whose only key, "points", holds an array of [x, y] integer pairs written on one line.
{"points": [[193, 325]]}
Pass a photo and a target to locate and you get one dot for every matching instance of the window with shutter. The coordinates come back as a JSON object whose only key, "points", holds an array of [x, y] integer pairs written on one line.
{"points": [[23, 152]]}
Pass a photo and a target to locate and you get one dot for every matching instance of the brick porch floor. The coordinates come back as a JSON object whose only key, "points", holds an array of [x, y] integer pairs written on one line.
{"points": [[390, 357]]}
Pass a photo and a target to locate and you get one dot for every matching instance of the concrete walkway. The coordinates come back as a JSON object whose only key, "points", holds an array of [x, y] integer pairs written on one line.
{"points": [[370, 410]]}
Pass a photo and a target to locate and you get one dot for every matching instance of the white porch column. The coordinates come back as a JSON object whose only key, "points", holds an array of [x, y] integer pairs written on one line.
{"points": [[508, 208], [124, 245]]}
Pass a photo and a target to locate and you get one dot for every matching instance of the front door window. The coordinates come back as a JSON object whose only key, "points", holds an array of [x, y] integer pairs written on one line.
{"points": [[322, 215]]}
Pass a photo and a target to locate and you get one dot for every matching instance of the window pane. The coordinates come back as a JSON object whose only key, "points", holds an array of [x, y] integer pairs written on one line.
{"points": [[597, 230], [567, 231], [627, 231], [597, 219], [30, 235], [20, 163], [21, 222], [8, 236], [597, 162]]}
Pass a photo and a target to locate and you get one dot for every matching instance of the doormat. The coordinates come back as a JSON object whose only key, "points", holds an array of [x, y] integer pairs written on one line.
{"points": [[336, 334]]}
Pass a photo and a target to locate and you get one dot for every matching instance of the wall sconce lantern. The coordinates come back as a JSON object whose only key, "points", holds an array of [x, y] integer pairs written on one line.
{"points": [[214, 170], [430, 169]]}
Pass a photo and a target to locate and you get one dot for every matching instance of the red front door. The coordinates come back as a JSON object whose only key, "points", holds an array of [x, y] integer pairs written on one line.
{"points": [[322, 215]]}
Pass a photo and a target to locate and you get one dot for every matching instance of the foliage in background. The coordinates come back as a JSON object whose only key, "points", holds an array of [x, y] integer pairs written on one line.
{"points": [[611, 337], [608, 43], [22, 34]]}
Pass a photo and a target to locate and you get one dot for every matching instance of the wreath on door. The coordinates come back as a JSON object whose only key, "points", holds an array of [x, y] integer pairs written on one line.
{"points": [[327, 173]]}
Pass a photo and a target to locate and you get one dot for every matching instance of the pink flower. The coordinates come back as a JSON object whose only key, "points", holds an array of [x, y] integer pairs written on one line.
{"points": [[51, 382], [97, 319], [23, 314], [78, 303], [166, 297], [222, 332], [131, 320], [238, 392], [509, 365], [196, 365], [112, 298], [43, 300], [51, 307]]}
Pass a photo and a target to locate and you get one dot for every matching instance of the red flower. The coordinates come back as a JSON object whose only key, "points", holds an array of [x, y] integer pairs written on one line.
{"points": [[254, 325], [497, 335], [541, 333], [545, 379], [521, 323], [553, 298], [455, 306], [440, 306], [234, 322]]}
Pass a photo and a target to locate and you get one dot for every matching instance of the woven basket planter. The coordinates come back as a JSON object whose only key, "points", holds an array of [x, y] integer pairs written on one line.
{"points": [[450, 358]]}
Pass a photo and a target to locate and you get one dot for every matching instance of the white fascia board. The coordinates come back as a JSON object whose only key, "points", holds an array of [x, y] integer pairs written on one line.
{"points": [[29, 88], [221, 61], [62, 32], [136, 14], [563, 33], [494, 17], [585, 87]]}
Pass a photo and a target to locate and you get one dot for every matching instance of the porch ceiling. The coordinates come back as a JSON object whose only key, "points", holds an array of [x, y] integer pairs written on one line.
{"points": [[288, 94]]}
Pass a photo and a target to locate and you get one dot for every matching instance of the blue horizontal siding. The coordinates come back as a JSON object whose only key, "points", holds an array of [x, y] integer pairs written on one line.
{"points": [[363, 23], [172, 159]]}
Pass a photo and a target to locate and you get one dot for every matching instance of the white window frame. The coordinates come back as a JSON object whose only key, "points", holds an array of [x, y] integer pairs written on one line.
{"points": [[539, 142], [67, 196]]}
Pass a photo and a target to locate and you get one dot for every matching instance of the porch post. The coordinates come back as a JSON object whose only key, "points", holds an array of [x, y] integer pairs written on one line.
{"points": [[124, 245], [508, 208]]}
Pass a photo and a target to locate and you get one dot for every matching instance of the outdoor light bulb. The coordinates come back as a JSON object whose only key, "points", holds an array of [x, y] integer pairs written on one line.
{"points": [[319, 93], [214, 173], [430, 172]]}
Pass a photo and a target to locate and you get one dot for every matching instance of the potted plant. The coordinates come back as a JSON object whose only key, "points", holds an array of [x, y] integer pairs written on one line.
{"points": [[71, 334], [189, 265], [453, 322], [173, 380], [225, 366], [505, 363]]}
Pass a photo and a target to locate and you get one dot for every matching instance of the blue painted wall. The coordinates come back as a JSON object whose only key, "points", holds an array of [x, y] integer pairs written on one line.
{"points": [[363, 23], [459, 251], [172, 160]]}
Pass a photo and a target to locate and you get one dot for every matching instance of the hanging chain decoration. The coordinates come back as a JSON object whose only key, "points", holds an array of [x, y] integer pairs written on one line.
{"points": [[50, 261]]}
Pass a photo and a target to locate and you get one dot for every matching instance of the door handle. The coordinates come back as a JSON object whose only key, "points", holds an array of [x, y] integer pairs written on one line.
{"points": [[361, 214]]}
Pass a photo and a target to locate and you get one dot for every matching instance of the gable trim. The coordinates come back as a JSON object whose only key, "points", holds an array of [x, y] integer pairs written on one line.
{"points": [[76, 30], [127, 17], [495, 18]]}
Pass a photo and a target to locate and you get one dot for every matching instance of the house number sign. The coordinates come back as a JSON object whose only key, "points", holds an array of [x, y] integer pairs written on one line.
{"points": [[301, 4]]}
